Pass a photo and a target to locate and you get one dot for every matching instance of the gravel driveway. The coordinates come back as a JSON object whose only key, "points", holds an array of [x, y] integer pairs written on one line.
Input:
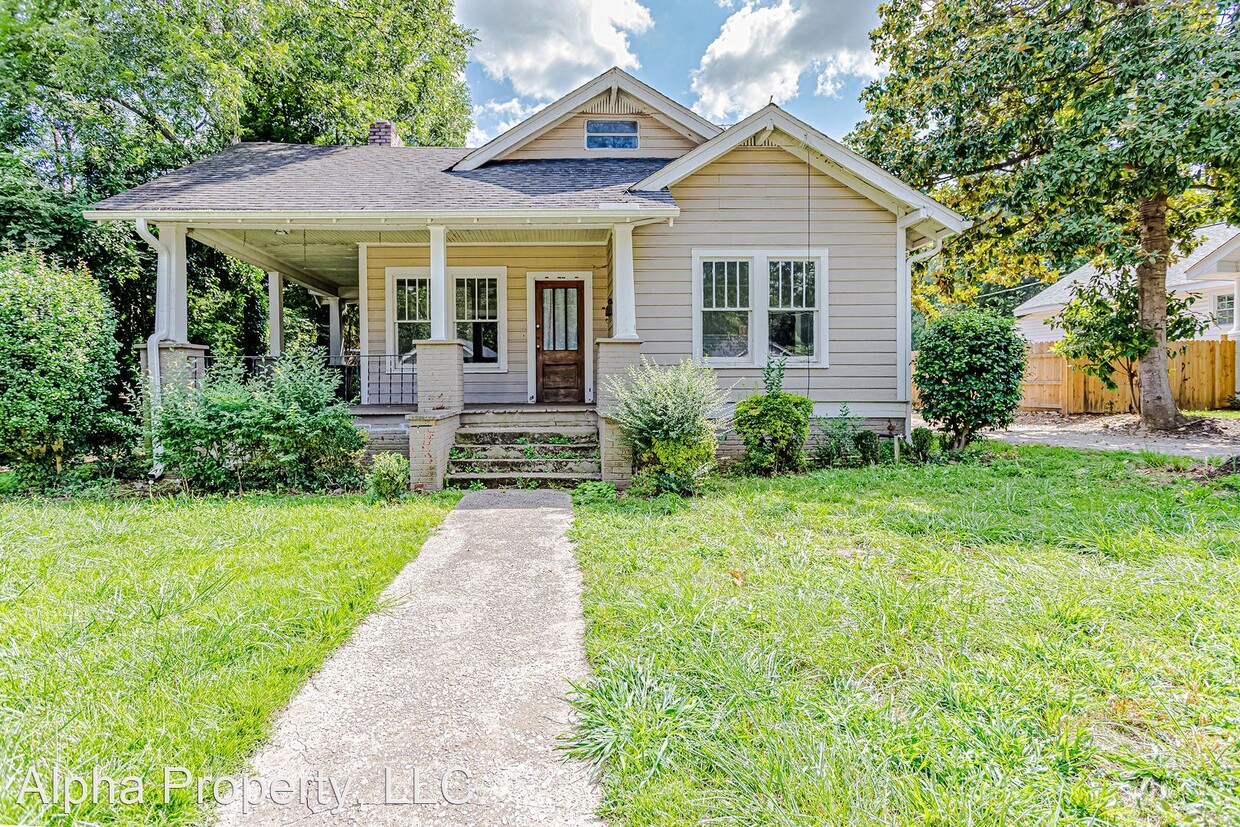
{"points": [[455, 693]]}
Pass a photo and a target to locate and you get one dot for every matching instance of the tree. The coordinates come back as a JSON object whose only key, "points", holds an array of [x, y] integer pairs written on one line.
{"points": [[1070, 130], [1102, 329], [970, 372], [57, 355], [100, 95]]}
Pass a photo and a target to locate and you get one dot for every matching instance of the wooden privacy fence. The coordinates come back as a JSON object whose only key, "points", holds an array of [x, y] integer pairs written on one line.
{"points": [[1203, 376]]}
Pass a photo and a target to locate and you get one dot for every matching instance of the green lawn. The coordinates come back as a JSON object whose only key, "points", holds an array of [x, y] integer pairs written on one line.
{"points": [[1051, 637], [143, 634], [1223, 413]]}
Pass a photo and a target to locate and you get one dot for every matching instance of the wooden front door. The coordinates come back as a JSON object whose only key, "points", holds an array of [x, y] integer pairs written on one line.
{"points": [[559, 341]]}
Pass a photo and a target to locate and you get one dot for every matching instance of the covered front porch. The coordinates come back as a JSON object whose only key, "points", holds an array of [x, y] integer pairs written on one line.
{"points": [[453, 319]]}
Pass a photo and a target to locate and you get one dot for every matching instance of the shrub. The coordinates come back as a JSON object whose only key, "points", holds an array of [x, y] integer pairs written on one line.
{"points": [[921, 441], [389, 476], [970, 366], [774, 425], [835, 444], [665, 415], [867, 447], [280, 429], [57, 357]]}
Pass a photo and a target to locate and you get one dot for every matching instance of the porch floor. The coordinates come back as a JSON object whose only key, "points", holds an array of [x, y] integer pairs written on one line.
{"points": [[475, 407]]}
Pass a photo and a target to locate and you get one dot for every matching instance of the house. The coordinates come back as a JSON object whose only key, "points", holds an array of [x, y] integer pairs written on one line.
{"points": [[499, 287], [1211, 271]]}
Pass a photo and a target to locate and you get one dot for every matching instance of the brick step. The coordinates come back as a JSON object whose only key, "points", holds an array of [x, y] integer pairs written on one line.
{"points": [[584, 450], [524, 466], [506, 480], [526, 435], [525, 418]]}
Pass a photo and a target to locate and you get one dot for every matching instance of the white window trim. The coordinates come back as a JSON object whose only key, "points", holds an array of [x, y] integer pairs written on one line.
{"points": [[585, 135], [585, 276], [500, 273], [759, 304]]}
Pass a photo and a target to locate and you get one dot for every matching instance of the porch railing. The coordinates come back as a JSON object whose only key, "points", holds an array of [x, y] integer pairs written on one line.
{"points": [[375, 379]]}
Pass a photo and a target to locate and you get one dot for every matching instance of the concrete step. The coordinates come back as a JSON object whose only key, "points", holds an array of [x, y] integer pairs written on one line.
{"points": [[525, 417], [524, 467], [526, 451], [506, 480], [527, 435]]}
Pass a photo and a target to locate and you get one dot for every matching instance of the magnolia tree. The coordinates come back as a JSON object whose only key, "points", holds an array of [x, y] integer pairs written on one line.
{"points": [[1068, 130], [1102, 330]]}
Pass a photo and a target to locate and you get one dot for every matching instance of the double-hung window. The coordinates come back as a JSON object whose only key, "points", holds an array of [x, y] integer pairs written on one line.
{"points": [[611, 134], [475, 315], [1225, 309], [753, 305], [726, 311], [792, 312], [411, 321], [478, 319]]}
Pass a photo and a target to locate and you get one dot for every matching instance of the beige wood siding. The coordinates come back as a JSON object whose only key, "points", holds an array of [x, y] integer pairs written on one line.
{"points": [[509, 387], [567, 140], [756, 198]]}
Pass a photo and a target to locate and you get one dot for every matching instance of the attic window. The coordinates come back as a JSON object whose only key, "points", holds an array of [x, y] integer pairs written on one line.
{"points": [[611, 134]]}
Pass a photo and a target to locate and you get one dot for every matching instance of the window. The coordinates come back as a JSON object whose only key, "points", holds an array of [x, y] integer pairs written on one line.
{"points": [[1225, 310], [477, 319], [793, 308], [611, 134], [412, 321], [750, 305], [725, 309]]}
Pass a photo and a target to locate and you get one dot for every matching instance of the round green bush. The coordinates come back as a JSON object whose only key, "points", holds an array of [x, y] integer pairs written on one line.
{"points": [[389, 476], [57, 357], [774, 428], [969, 374]]}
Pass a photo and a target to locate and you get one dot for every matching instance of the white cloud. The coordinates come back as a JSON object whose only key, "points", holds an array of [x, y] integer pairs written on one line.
{"points": [[495, 117], [544, 48], [763, 49]]}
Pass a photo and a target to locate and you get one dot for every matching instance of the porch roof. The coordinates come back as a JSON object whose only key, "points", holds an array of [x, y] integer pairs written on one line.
{"points": [[257, 178]]}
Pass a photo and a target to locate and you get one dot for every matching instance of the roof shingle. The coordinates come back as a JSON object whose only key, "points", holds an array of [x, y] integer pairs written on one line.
{"points": [[295, 178]]}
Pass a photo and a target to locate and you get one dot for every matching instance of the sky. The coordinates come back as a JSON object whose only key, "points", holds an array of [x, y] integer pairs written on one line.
{"points": [[722, 58]]}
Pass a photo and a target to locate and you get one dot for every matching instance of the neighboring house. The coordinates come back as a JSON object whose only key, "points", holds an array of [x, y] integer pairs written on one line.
{"points": [[1211, 271], [499, 287]]}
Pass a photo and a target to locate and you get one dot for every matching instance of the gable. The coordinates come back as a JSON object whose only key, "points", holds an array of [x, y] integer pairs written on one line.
{"points": [[656, 137], [614, 88]]}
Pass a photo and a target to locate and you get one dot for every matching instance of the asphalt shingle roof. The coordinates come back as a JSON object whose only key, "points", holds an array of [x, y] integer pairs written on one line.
{"points": [[1059, 293], [292, 177]]}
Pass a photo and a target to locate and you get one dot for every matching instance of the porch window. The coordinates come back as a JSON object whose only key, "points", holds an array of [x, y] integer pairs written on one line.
{"points": [[1225, 309], [793, 308], [725, 309], [478, 319], [412, 298], [611, 134]]}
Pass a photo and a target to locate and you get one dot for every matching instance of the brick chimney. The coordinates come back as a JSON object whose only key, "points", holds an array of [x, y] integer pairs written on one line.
{"points": [[383, 133]]}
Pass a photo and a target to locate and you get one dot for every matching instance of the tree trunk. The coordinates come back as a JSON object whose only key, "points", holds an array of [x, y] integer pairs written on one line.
{"points": [[1158, 410]]}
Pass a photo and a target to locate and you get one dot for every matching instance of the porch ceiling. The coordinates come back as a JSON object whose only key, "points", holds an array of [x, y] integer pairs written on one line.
{"points": [[326, 260]]}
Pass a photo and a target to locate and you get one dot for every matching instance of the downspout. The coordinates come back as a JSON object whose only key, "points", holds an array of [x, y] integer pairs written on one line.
{"points": [[161, 333]]}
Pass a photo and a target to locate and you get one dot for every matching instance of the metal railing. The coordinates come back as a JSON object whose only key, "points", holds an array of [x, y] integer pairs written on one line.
{"points": [[373, 379]]}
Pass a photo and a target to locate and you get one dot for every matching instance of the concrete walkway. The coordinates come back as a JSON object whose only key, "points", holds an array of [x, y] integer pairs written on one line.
{"points": [[458, 689]]}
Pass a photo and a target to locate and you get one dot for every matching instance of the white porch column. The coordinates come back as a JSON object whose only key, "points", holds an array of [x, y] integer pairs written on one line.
{"points": [[439, 283], [624, 300], [275, 313], [177, 306], [333, 329]]}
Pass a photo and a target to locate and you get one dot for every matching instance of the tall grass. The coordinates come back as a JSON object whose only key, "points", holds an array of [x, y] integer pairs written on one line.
{"points": [[140, 635], [1052, 637]]}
